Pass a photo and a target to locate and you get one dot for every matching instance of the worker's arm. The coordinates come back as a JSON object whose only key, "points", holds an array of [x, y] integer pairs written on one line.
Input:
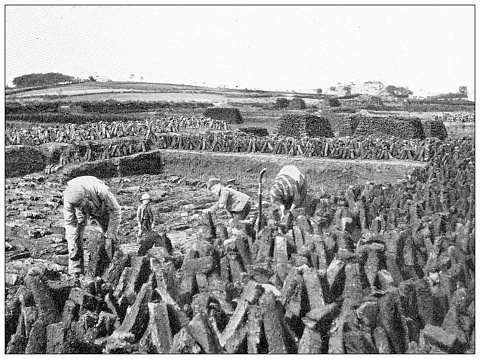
{"points": [[139, 216], [152, 218], [299, 193], [222, 201]]}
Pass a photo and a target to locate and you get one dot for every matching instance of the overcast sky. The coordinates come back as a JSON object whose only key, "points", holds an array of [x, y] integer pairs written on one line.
{"points": [[266, 47]]}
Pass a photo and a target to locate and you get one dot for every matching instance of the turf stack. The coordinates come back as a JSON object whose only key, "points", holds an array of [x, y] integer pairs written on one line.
{"points": [[229, 115], [300, 125], [391, 126], [297, 104], [434, 128], [281, 103], [348, 126], [257, 131]]}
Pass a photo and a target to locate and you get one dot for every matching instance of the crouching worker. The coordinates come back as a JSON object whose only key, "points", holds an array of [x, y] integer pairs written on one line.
{"points": [[236, 203], [289, 189], [145, 218], [85, 197]]}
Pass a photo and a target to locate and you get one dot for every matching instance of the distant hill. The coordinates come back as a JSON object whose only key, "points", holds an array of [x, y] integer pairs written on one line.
{"points": [[139, 91]]}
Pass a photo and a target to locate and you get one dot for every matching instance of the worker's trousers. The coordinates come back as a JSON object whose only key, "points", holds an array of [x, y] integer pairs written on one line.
{"points": [[145, 228], [75, 244]]}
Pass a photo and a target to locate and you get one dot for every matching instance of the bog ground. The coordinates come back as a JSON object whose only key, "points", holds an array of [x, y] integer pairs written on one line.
{"points": [[384, 263]]}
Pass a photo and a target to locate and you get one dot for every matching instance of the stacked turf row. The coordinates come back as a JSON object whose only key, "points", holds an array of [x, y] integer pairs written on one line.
{"points": [[96, 106], [66, 118], [294, 125], [98, 130], [338, 148]]}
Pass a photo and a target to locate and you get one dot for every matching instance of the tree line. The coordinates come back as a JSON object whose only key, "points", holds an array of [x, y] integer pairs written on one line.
{"points": [[51, 78]]}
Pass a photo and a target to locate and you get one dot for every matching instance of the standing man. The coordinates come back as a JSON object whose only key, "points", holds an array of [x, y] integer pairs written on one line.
{"points": [[84, 197], [236, 203], [145, 218], [289, 189]]}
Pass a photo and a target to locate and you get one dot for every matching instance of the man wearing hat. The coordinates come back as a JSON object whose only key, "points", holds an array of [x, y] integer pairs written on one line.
{"points": [[289, 189], [84, 197], [144, 217], [236, 203]]}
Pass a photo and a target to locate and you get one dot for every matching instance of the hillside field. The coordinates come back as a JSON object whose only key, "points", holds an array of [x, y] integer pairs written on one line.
{"points": [[257, 107]]}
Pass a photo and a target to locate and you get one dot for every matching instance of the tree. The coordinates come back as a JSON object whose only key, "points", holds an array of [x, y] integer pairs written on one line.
{"points": [[463, 91], [390, 89], [33, 80], [401, 92], [319, 91], [91, 78]]}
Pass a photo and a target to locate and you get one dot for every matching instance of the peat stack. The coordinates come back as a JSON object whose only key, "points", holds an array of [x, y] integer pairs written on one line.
{"points": [[390, 126], [293, 125], [434, 128], [297, 104], [229, 115], [281, 102]]}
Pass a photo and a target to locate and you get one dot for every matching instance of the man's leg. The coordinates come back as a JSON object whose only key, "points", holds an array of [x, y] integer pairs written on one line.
{"points": [[109, 245], [145, 228], [75, 250]]}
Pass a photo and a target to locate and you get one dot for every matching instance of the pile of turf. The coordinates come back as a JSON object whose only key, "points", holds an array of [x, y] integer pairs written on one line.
{"points": [[297, 104], [434, 128], [294, 125], [406, 128], [227, 114]]}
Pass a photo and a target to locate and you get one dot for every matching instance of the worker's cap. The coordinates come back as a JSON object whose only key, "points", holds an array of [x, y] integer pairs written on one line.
{"points": [[145, 196], [212, 182], [73, 196]]}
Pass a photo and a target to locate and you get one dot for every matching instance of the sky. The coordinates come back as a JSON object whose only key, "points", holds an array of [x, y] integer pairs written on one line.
{"points": [[264, 47]]}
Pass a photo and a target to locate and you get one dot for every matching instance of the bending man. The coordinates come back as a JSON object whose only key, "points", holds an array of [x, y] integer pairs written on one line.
{"points": [[84, 197], [289, 189], [236, 203]]}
